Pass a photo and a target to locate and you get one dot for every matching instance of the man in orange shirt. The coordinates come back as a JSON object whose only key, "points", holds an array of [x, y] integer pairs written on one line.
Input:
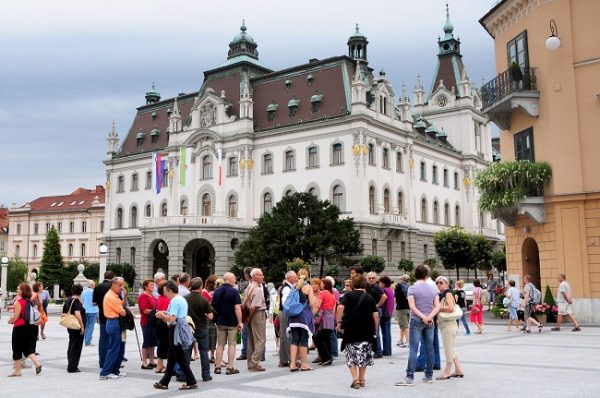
{"points": [[113, 307]]}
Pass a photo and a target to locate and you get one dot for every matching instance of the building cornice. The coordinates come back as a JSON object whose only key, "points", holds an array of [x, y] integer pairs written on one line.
{"points": [[508, 12]]}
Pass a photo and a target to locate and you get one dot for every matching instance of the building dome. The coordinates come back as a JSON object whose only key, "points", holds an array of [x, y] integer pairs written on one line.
{"points": [[242, 36], [357, 34], [152, 95]]}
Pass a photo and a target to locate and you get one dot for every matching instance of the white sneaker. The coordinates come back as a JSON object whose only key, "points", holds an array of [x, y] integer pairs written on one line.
{"points": [[121, 375], [109, 377]]}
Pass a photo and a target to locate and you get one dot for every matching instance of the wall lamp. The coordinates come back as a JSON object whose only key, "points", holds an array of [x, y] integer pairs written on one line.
{"points": [[553, 42]]}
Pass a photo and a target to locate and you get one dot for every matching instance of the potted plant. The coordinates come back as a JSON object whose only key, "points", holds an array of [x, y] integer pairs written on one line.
{"points": [[549, 299], [540, 312], [516, 75]]}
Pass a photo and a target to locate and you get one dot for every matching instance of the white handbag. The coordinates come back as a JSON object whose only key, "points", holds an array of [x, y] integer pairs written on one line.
{"points": [[451, 316]]}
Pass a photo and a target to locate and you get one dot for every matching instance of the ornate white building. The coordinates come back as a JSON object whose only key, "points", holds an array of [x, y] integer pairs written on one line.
{"points": [[332, 127]]}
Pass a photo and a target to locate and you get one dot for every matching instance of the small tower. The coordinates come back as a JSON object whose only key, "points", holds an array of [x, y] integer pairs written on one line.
{"points": [[359, 87], [175, 118], [419, 93], [242, 44], [465, 85], [404, 106], [357, 46], [152, 96], [112, 142]]}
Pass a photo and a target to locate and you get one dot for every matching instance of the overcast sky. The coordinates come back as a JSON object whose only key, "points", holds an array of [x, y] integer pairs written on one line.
{"points": [[69, 68]]}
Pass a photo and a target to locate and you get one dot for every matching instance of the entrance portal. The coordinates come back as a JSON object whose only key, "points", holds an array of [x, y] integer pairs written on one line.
{"points": [[530, 255], [160, 255], [199, 258]]}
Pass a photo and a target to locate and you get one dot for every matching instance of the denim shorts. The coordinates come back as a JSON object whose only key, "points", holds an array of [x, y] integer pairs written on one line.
{"points": [[299, 337], [512, 313]]}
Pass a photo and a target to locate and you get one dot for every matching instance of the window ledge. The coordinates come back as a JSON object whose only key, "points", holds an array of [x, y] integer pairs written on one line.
{"points": [[312, 167], [386, 168], [336, 164], [289, 170], [266, 173]]}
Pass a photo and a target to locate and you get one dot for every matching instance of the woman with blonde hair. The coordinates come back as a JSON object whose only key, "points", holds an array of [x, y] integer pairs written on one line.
{"points": [[301, 327], [448, 328]]}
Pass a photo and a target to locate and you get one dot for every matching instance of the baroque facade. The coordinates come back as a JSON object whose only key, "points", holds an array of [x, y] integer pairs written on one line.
{"points": [[195, 172]]}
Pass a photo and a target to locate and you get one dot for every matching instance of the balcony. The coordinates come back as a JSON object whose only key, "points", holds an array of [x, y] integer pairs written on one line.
{"points": [[196, 221], [512, 89], [395, 219]]}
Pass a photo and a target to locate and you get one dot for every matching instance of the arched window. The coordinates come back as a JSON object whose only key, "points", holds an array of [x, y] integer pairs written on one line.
{"points": [[232, 206], [119, 218], [423, 210], [70, 250], [121, 184], [232, 170], [118, 256], [400, 203], [267, 164], [207, 167], [338, 197], [206, 205], [386, 200], [83, 250], [35, 251], [148, 211], [267, 202], [371, 200], [446, 214], [436, 212], [183, 207], [290, 163], [163, 209], [148, 180], [457, 215], [133, 217], [313, 157], [337, 154]]}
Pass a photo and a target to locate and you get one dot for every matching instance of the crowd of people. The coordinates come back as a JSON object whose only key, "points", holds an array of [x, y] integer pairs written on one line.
{"points": [[183, 319]]}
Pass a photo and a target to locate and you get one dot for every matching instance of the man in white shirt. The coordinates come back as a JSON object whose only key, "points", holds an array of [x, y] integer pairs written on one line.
{"points": [[184, 284], [284, 342], [564, 301]]}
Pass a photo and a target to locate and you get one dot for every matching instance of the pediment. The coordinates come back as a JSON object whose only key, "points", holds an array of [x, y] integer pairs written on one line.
{"points": [[209, 110]]}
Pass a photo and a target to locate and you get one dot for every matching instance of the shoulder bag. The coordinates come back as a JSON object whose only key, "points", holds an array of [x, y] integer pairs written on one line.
{"points": [[69, 320], [450, 316]]}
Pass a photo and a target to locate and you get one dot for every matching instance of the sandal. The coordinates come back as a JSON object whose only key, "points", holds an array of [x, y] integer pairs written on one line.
{"points": [[231, 371], [576, 329], [147, 367], [457, 375], [294, 369], [217, 371], [14, 374], [355, 384], [38, 370], [444, 377], [555, 329], [306, 369], [540, 328], [161, 370], [188, 386], [362, 383], [159, 386]]}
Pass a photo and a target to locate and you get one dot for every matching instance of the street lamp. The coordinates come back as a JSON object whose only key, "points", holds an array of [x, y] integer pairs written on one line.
{"points": [[103, 255], [4, 292], [553, 42]]}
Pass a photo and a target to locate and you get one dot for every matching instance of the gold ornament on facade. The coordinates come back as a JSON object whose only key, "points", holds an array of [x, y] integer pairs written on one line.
{"points": [[249, 163], [356, 149], [365, 150], [467, 181], [411, 163], [242, 164]]}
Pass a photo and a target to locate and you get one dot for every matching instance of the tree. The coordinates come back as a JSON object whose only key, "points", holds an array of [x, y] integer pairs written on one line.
{"points": [[482, 253], [454, 247], [51, 267], [17, 273], [373, 264], [406, 265], [498, 259], [302, 226]]}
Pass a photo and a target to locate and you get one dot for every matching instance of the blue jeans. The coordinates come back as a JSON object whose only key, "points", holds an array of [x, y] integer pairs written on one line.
{"points": [[386, 335], [114, 355], [377, 348], [422, 359], [464, 320], [90, 321], [417, 332], [102, 344], [334, 344], [202, 339], [244, 340]]}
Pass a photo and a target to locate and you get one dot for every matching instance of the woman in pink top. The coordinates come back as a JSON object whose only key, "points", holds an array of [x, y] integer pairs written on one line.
{"points": [[22, 331], [147, 304], [477, 308], [326, 323]]}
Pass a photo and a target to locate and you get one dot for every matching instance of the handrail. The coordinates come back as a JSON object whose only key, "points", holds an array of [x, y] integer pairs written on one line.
{"points": [[510, 81]]}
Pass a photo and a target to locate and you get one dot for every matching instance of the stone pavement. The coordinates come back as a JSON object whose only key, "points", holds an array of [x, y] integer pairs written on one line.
{"points": [[496, 364]]}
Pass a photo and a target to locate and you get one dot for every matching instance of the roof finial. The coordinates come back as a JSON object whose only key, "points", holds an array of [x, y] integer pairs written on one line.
{"points": [[357, 26], [243, 27], [448, 27]]}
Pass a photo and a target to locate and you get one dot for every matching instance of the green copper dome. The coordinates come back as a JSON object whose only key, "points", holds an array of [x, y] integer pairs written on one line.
{"points": [[153, 91], [357, 34], [242, 36], [448, 27]]}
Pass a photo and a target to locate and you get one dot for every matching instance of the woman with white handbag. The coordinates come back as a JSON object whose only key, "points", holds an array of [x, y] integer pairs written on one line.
{"points": [[449, 313], [73, 319]]}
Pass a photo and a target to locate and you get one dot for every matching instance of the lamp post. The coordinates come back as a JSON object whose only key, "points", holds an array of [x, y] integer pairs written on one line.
{"points": [[4, 285], [103, 257], [553, 42]]}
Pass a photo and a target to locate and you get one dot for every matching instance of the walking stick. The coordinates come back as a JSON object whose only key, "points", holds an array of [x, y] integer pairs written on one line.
{"points": [[138, 342]]}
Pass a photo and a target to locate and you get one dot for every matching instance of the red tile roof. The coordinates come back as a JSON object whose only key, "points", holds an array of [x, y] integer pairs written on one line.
{"points": [[80, 199], [446, 72], [3, 217]]}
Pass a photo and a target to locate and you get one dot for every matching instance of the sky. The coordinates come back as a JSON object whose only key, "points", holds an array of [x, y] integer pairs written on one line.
{"points": [[68, 68]]}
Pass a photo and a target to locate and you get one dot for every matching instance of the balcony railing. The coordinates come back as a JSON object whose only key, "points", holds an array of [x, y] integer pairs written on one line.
{"points": [[395, 219], [196, 221], [507, 82]]}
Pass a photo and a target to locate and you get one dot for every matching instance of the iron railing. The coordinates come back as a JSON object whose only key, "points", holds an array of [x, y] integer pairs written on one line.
{"points": [[507, 82]]}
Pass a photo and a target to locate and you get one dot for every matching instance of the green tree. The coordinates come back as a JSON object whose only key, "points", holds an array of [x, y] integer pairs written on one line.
{"points": [[51, 267], [300, 226], [373, 263], [406, 265], [17, 273], [482, 253], [498, 259], [296, 265], [454, 247]]}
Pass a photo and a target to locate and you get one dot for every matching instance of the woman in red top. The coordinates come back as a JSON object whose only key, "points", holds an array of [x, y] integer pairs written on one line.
{"points": [[22, 332], [147, 304], [162, 330], [209, 289], [326, 322]]}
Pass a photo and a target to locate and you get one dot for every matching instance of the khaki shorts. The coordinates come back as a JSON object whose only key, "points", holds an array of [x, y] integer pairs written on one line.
{"points": [[565, 309], [403, 316], [226, 335]]}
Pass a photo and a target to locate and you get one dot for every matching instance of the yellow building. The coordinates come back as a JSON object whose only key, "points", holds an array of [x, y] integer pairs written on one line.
{"points": [[548, 109]]}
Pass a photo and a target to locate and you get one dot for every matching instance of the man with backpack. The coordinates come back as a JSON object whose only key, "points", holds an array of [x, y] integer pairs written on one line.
{"points": [[532, 296], [291, 278]]}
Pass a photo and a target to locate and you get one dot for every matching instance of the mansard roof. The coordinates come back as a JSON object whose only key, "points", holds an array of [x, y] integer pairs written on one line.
{"points": [[80, 199]]}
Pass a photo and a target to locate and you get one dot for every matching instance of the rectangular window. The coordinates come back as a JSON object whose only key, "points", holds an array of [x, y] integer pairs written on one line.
{"points": [[389, 251], [313, 157], [72, 227], [337, 154], [289, 161], [518, 51], [385, 159], [132, 252], [402, 250], [399, 166], [165, 178], [121, 184], [524, 149], [446, 184], [134, 182], [83, 226], [48, 226], [36, 228], [425, 252], [434, 174], [19, 229], [233, 167], [268, 164], [456, 180], [423, 172], [371, 154], [148, 180], [102, 226], [59, 226]]}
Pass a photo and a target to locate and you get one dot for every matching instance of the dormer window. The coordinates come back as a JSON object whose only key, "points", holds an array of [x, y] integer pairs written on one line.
{"points": [[288, 83], [140, 138], [272, 111], [309, 79], [293, 106], [154, 135], [169, 111], [153, 115], [315, 101]]}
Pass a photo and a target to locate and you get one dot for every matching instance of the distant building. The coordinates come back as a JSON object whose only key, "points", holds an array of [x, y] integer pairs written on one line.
{"points": [[195, 172], [3, 232], [77, 217], [496, 149], [546, 100]]}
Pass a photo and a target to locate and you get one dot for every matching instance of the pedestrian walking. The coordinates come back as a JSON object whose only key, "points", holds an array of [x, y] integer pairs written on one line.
{"points": [[379, 298], [514, 301], [477, 308], [386, 310], [201, 312], [22, 332], [74, 306], [301, 327], [325, 324], [461, 300], [162, 330], [532, 296], [402, 309], [284, 342], [564, 301]]}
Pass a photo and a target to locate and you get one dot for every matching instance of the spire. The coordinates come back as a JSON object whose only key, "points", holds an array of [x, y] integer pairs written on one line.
{"points": [[418, 92], [175, 118], [448, 27], [112, 142]]}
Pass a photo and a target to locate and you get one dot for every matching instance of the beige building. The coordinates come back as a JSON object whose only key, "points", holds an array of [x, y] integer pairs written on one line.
{"points": [[3, 231], [549, 110], [78, 218]]}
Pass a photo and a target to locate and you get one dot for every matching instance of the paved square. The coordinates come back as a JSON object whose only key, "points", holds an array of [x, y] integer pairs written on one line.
{"points": [[496, 364]]}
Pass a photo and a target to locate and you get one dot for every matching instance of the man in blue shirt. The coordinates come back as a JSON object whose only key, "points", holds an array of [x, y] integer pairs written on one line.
{"points": [[91, 312]]}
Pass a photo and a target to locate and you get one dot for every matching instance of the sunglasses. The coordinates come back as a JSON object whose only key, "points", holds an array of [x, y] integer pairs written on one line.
{"points": [[439, 283]]}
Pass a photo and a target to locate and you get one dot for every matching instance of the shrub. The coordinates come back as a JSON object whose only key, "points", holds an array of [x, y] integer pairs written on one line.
{"points": [[373, 264], [332, 270], [406, 265]]}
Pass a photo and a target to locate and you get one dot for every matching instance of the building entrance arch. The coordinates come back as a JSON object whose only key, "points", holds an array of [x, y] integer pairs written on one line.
{"points": [[199, 258], [530, 256], [159, 252]]}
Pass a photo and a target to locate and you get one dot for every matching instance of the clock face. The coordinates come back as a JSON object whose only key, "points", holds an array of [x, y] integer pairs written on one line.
{"points": [[162, 247], [442, 100]]}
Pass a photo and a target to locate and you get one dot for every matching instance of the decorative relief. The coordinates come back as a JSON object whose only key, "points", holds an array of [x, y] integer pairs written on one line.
{"points": [[208, 115]]}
